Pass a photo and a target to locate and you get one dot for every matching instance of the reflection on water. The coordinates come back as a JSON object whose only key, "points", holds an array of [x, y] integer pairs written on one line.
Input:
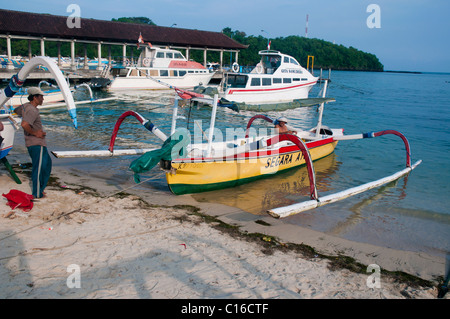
{"points": [[282, 189], [357, 216]]}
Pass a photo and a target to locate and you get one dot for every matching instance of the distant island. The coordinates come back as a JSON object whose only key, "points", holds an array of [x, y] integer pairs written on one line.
{"points": [[412, 72]]}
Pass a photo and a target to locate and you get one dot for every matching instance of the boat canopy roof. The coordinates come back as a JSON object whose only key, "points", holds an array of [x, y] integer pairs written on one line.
{"points": [[276, 57], [154, 56], [269, 52]]}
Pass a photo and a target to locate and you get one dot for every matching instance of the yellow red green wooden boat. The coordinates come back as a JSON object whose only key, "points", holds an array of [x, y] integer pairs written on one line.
{"points": [[193, 175], [193, 168]]}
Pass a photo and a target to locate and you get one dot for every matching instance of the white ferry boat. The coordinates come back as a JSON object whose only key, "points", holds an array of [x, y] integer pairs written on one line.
{"points": [[277, 78], [162, 68]]}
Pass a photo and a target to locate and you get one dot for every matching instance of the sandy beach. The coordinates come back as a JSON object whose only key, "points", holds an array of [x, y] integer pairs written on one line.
{"points": [[87, 240]]}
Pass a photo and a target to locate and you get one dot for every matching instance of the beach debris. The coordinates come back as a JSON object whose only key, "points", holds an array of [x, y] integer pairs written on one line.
{"points": [[10, 215], [21, 214], [47, 228], [267, 239], [183, 245]]}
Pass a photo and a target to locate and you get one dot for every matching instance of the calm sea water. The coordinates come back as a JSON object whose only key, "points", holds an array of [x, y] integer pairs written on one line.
{"points": [[412, 213]]}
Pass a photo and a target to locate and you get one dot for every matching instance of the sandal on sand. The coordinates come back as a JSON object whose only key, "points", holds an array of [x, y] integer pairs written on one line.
{"points": [[35, 199]]}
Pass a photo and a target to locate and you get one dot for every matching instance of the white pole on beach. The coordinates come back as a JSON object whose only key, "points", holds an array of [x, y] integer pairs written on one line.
{"points": [[174, 115], [211, 127], [319, 121]]}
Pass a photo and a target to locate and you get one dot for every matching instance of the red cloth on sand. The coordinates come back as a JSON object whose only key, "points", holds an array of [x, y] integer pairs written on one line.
{"points": [[19, 199]]}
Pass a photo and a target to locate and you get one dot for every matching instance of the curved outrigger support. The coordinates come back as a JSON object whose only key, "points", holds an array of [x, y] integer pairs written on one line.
{"points": [[309, 163], [16, 83], [146, 123], [317, 202], [18, 80], [259, 116]]}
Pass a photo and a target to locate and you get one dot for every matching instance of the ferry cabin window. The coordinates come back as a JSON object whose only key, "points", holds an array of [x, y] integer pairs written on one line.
{"points": [[294, 62], [287, 80], [181, 73], [237, 81], [266, 81], [160, 55], [277, 81], [295, 79], [275, 62], [169, 55], [255, 82], [286, 59], [178, 55], [164, 73]]}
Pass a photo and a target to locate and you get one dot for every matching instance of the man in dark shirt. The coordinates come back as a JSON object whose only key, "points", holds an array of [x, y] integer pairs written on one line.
{"points": [[35, 141], [281, 127]]}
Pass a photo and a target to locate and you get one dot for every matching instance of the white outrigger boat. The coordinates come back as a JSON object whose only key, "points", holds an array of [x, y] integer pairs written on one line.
{"points": [[159, 68], [51, 95], [10, 121], [197, 167]]}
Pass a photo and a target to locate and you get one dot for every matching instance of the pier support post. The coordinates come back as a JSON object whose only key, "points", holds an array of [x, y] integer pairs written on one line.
{"points": [[124, 54], [73, 66], [99, 53], [9, 64], [29, 50], [85, 63], [42, 47], [109, 56], [59, 55], [205, 53]]}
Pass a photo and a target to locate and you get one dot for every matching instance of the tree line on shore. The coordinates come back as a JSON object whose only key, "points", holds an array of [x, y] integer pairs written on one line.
{"points": [[326, 54]]}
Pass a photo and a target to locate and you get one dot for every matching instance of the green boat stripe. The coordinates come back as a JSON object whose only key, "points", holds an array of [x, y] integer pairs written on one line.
{"points": [[180, 189]]}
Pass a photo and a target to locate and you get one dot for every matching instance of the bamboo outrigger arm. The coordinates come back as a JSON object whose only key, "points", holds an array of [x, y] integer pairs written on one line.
{"points": [[285, 211]]}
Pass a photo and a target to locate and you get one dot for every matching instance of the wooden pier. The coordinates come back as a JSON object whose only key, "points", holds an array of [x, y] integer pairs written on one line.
{"points": [[80, 75]]}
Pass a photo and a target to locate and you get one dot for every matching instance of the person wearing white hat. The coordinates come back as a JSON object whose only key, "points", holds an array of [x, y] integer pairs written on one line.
{"points": [[281, 127], [35, 141]]}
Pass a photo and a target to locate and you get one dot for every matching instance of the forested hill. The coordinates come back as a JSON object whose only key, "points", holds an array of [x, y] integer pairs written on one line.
{"points": [[326, 54]]}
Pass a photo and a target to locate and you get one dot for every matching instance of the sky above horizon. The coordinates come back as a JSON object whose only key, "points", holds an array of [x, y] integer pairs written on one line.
{"points": [[405, 35]]}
